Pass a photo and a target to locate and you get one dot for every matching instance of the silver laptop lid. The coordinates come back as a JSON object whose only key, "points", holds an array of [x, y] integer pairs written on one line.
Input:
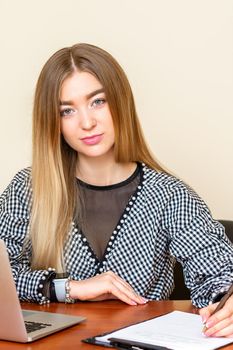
{"points": [[12, 326], [11, 319]]}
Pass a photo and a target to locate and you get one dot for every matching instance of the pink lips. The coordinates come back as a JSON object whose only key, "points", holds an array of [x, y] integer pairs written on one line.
{"points": [[92, 140]]}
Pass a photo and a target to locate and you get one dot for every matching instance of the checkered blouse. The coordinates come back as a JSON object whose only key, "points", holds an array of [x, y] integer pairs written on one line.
{"points": [[164, 220]]}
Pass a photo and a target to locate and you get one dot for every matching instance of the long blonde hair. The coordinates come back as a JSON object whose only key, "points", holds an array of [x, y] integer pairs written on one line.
{"points": [[54, 161]]}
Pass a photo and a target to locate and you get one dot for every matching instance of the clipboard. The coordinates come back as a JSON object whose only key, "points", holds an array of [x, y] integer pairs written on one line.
{"points": [[118, 343], [123, 344], [129, 344], [94, 341], [171, 331]]}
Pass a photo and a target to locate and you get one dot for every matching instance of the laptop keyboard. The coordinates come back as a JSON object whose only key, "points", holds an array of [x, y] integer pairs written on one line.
{"points": [[35, 326]]}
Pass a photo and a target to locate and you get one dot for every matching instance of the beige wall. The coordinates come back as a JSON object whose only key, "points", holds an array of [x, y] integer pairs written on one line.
{"points": [[178, 56]]}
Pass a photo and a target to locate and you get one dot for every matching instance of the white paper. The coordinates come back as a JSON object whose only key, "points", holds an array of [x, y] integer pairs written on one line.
{"points": [[176, 330]]}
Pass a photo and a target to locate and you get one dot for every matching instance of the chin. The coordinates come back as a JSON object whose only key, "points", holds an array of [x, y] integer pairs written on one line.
{"points": [[97, 153]]}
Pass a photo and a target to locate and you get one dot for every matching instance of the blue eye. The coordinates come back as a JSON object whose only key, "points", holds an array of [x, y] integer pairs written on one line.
{"points": [[66, 111], [98, 102]]}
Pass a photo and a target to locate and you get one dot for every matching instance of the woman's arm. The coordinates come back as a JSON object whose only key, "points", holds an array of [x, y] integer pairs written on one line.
{"points": [[200, 244], [14, 222]]}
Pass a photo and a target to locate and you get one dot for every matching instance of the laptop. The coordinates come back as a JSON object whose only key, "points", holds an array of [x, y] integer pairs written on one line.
{"points": [[24, 325]]}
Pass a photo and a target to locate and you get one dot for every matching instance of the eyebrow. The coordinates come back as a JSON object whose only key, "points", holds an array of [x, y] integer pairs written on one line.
{"points": [[88, 96]]}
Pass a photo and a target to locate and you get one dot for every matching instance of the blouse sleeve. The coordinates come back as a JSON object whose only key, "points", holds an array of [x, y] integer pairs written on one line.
{"points": [[14, 224], [200, 244]]}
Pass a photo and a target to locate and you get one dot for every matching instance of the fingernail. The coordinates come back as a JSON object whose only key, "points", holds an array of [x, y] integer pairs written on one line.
{"points": [[133, 302], [204, 330], [204, 318], [145, 300]]}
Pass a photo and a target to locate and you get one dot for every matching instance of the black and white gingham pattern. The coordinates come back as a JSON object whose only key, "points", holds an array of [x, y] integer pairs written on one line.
{"points": [[163, 220]]}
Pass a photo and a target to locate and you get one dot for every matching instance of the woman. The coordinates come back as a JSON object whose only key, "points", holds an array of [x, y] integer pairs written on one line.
{"points": [[97, 206]]}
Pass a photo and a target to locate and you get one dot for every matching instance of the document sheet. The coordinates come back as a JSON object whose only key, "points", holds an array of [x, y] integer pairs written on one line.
{"points": [[176, 330]]}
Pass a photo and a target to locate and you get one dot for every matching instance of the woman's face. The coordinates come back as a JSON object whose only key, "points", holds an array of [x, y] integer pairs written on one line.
{"points": [[86, 121]]}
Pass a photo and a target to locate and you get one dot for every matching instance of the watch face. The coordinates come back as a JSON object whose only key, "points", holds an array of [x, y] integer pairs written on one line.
{"points": [[62, 275]]}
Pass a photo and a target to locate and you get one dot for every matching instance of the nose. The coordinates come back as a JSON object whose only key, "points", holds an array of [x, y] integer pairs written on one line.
{"points": [[87, 120]]}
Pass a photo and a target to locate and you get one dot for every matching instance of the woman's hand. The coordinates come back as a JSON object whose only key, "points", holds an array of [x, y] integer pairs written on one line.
{"points": [[221, 323], [105, 286]]}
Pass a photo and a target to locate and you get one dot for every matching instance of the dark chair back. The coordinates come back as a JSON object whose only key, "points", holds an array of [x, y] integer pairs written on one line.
{"points": [[180, 291], [228, 224]]}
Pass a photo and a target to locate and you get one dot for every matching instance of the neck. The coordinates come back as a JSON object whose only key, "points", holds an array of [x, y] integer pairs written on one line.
{"points": [[103, 173]]}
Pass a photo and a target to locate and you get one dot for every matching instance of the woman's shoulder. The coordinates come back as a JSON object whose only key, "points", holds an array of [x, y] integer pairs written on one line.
{"points": [[174, 193], [23, 175], [21, 183], [160, 178], [168, 183], [17, 195]]}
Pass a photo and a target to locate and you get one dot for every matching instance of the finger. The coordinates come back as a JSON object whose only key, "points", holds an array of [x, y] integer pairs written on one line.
{"points": [[123, 296], [218, 328], [227, 331], [207, 311], [130, 293], [229, 336], [119, 279], [221, 315], [111, 277], [125, 287]]}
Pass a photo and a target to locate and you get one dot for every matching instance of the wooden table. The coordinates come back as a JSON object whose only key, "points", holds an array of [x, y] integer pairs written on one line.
{"points": [[101, 317]]}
